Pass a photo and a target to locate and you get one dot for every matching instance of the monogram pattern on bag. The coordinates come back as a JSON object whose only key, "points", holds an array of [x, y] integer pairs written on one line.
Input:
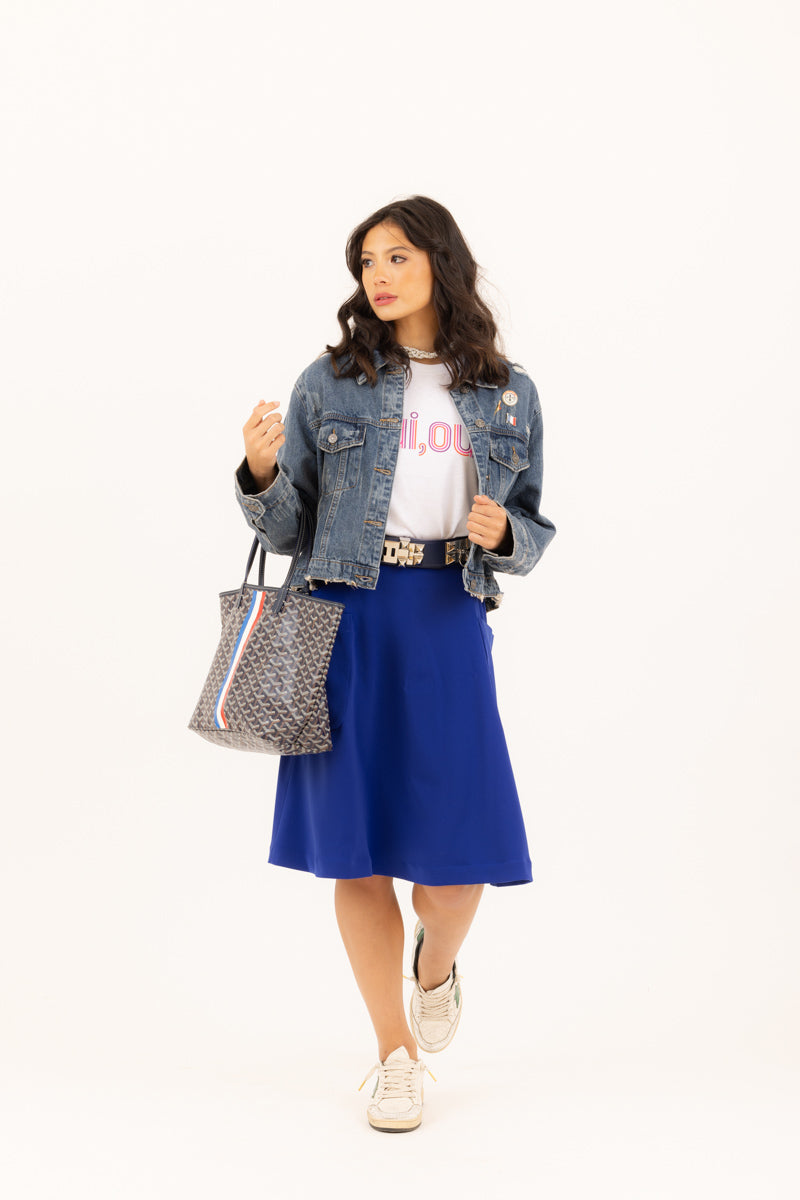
{"points": [[275, 702]]}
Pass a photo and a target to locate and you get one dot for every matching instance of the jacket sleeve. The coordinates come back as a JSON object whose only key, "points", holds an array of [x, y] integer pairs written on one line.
{"points": [[274, 514], [531, 532]]}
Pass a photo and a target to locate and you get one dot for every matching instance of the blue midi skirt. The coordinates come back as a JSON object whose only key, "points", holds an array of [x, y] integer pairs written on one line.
{"points": [[419, 783]]}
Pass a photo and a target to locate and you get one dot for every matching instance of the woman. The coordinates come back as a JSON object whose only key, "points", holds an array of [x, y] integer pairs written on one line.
{"points": [[417, 448]]}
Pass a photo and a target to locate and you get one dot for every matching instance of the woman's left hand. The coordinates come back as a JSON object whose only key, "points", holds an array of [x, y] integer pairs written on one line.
{"points": [[488, 524]]}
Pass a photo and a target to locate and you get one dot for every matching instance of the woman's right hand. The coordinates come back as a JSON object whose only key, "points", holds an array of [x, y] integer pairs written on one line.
{"points": [[263, 437]]}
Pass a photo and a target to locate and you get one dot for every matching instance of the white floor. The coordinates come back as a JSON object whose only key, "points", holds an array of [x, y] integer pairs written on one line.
{"points": [[291, 1127], [228, 1122]]}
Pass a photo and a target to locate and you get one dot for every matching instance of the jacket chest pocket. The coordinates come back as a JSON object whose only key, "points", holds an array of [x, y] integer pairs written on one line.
{"points": [[341, 444], [508, 455]]}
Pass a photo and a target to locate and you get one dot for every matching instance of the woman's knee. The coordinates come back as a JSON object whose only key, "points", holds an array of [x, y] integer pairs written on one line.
{"points": [[368, 887], [451, 897]]}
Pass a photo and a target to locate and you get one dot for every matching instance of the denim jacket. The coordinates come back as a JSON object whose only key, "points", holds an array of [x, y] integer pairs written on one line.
{"points": [[340, 452]]}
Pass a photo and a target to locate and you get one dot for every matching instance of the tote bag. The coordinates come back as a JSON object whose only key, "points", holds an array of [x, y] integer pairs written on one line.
{"points": [[265, 690]]}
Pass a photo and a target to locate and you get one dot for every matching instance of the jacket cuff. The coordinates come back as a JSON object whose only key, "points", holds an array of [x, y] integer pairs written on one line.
{"points": [[504, 561], [254, 502]]}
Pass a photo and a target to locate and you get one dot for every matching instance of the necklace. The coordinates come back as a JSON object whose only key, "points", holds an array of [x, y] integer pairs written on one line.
{"points": [[413, 352]]}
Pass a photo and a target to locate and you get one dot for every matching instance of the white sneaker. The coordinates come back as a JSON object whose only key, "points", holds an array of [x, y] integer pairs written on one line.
{"points": [[434, 1014], [396, 1103]]}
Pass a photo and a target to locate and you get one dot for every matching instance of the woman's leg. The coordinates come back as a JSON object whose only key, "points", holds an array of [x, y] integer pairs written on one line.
{"points": [[446, 913], [371, 926]]}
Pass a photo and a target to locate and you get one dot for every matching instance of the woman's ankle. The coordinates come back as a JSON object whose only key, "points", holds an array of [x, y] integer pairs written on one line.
{"points": [[385, 1049]]}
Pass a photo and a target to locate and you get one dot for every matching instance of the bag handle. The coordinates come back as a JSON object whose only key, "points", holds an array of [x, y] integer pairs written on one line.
{"points": [[303, 533]]}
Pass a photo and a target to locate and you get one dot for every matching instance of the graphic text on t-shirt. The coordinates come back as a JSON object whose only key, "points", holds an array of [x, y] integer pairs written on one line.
{"points": [[441, 437]]}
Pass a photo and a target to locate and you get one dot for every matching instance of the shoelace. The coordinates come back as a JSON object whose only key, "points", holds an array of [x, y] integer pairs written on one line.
{"points": [[396, 1078], [435, 1006]]}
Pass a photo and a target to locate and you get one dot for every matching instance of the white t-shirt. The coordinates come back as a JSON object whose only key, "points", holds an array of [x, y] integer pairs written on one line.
{"points": [[435, 478]]}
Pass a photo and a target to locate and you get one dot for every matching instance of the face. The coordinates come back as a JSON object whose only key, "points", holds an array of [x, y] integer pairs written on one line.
{"points": [[396, 276]]}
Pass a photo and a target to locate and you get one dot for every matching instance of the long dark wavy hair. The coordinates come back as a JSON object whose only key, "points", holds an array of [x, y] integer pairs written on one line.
{"points": [[467, 340]]}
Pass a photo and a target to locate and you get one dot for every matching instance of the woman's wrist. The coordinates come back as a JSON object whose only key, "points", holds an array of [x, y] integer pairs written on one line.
{"points": [[263, 482], [252, 484]]}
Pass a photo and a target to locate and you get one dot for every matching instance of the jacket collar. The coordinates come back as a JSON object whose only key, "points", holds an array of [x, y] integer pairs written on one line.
{"points": [[379, 362]]}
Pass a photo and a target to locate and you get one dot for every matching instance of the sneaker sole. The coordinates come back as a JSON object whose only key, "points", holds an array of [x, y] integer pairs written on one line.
{"points": [[395, 1126]]}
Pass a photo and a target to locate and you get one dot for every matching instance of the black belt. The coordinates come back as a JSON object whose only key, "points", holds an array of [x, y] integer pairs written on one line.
{"points": [[404, 552]]}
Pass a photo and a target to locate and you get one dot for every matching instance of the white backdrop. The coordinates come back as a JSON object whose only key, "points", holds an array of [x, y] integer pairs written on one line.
{"points": [[178, 1017]]}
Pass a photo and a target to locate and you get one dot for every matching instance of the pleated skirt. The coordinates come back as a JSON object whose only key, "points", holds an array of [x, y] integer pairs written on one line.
{"points": [[419, 784]]}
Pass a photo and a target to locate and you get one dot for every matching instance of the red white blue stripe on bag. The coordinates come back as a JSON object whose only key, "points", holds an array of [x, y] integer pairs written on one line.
{"points": [[250, 622]]}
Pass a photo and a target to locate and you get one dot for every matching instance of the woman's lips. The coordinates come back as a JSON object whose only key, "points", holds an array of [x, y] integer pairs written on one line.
{"points": [[385, 299]]}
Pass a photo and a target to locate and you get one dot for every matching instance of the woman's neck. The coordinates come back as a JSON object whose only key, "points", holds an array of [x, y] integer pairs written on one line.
{"points": [[418, 330]]}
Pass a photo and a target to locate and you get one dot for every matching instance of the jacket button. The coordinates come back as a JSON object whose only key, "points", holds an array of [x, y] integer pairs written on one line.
{"points": [[332, 437], [480, 423]]}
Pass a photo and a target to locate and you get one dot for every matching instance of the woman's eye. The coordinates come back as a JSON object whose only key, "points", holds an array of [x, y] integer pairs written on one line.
{"points": [[367, 262]]}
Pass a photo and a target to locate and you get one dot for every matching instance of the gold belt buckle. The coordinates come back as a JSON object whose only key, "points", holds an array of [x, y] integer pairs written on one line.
{"points": [[455, 551], [403, 552]]}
